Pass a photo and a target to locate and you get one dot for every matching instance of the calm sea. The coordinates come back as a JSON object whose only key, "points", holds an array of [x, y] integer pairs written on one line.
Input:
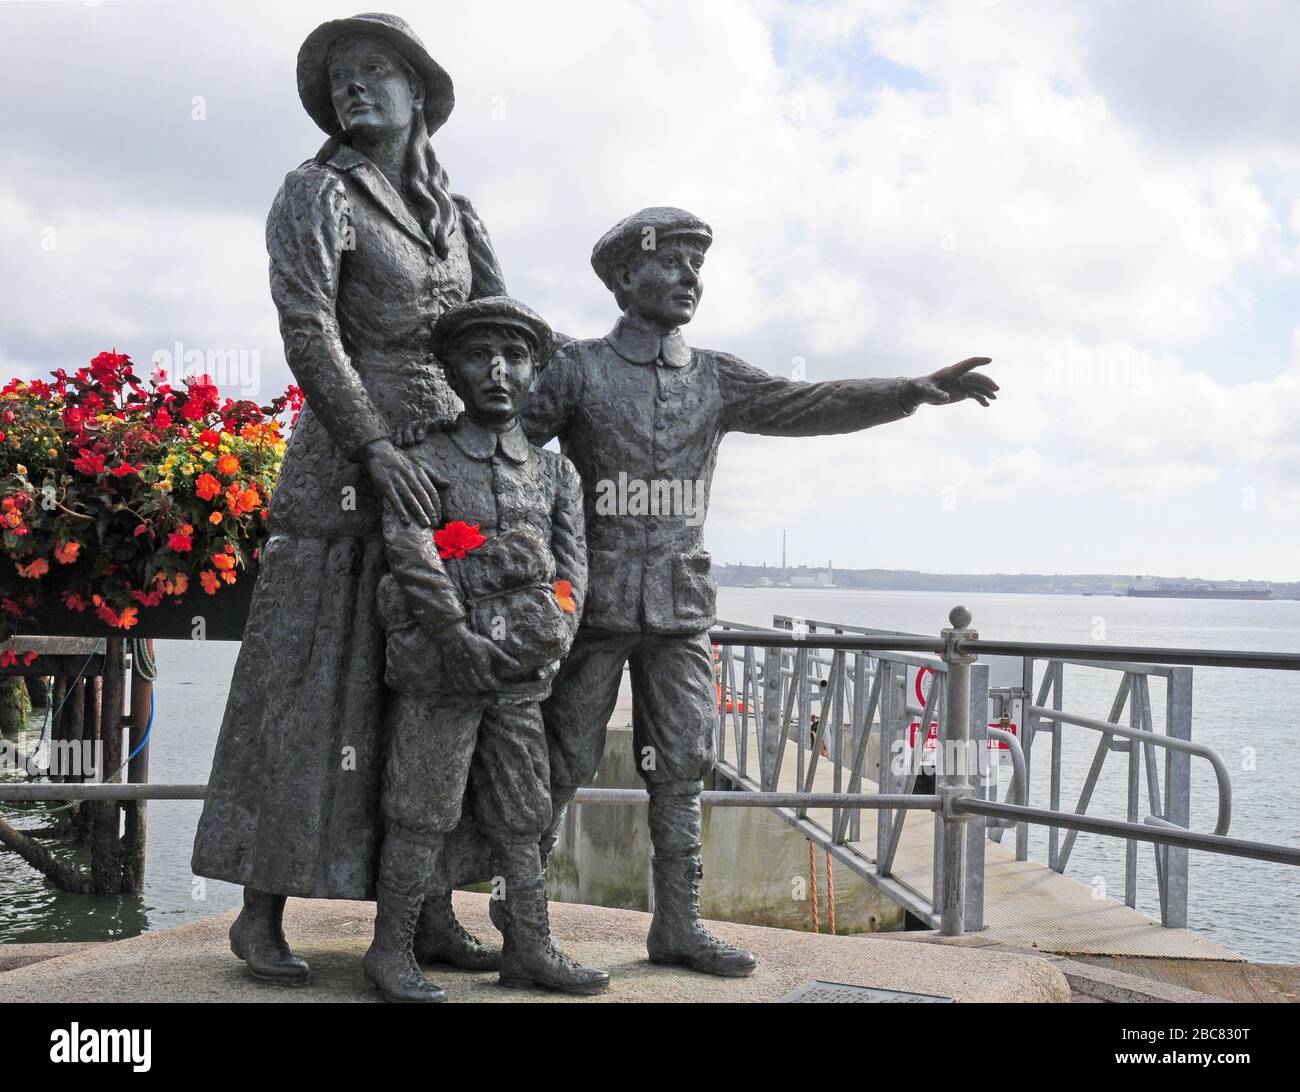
{"points": [[1248, 716]]}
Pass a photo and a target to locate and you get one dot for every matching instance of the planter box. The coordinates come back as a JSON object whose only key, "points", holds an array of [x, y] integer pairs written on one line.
{"points": [[224, 615]]}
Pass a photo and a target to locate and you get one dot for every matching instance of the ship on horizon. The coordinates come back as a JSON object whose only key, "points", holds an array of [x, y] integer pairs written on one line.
{"points": [[1160, 588]]}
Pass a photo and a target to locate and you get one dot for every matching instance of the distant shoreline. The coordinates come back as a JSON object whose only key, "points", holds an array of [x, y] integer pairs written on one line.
{"points": [[1107, 585]]}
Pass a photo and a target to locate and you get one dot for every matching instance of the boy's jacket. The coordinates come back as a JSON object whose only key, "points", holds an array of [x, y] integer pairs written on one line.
{"points": [[527, 505]]}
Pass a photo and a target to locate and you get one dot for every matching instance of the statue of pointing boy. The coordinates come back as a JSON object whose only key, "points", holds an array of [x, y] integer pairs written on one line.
{"points": [[643, 404]]}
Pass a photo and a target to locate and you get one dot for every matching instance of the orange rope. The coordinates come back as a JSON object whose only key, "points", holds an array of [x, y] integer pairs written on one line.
{"points": [[812, 876], [830, 888]]}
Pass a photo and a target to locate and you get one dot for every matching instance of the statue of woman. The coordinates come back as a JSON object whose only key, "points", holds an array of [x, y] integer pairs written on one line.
{"points": [[367, 248]]}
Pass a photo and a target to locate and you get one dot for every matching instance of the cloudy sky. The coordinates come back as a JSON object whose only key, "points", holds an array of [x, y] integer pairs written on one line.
{"points": [[1105, 198]]}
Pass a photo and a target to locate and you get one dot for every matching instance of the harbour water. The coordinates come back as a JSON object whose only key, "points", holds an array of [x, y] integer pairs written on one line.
{"points": [[1248, 716]]}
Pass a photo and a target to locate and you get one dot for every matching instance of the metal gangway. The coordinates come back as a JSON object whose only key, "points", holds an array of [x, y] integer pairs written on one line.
{"points": [[804, 705], [953, 872]]}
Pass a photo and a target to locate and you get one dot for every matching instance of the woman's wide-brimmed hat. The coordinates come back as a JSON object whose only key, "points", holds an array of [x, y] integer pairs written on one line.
{"points": [[313, 78]]}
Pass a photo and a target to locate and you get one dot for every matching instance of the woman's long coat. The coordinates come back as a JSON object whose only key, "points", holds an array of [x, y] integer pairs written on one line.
{"points": [[293, 800]]}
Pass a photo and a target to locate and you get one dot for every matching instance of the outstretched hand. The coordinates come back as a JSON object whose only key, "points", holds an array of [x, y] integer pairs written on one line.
{"points": [[956, 382]]}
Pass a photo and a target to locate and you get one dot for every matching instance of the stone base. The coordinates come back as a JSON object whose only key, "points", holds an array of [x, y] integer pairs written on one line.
{"points": [[193, 963]]}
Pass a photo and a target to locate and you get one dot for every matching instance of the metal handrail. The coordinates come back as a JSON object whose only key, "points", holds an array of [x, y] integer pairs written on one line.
{"points": [[850, 642], [1173, 743], [1019, 776], [1160, 832]]}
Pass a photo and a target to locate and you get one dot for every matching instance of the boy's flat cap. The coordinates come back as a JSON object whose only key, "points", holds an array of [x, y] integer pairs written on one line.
{"points": [[494, 311], [645, 230]]}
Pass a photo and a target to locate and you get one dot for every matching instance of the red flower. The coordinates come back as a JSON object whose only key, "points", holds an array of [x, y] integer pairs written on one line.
{"points": [[29, 658], [564, 596], [180, 540], [73, 601], [89, 462], [162, 419], [202, 398], [457, 539], [8, 658], [123, 469]]}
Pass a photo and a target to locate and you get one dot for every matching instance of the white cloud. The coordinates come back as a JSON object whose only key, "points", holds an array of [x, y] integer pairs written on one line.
{"points": [[892, 188]]}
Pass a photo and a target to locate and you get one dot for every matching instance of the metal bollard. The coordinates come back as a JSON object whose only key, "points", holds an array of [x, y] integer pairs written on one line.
{"points": [[955, 780]]}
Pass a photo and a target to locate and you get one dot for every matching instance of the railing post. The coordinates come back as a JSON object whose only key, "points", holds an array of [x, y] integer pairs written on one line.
{"points": [[770, 737], [1027, 730], [976, 833], [1178, 793], [955, 779]]}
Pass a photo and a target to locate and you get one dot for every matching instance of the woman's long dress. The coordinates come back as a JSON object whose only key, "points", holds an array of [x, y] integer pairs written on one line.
{"points": [[292, 803]]}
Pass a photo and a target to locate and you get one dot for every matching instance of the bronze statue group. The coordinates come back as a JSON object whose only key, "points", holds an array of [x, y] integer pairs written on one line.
{"points": [[443, 615]]}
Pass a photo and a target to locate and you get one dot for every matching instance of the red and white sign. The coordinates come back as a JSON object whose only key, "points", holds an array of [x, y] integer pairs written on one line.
{"points": [[932, 737]]}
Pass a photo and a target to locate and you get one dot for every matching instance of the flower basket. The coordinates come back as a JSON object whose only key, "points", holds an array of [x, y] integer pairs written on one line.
{"points": [[192, 616], [128, 509]]}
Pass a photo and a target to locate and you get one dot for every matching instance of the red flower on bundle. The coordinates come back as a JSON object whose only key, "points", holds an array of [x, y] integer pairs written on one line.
{"points": [[457, 539]]}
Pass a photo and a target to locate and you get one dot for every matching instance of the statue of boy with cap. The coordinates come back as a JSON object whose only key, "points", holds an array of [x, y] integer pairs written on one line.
{"points": [[478, 614], [641, 406]]}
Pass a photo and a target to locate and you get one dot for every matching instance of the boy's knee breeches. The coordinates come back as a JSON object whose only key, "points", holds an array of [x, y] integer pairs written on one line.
{"points": [[449, 753]]}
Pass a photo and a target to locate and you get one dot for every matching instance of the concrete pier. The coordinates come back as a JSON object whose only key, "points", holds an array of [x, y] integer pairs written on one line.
{"points": [[192, 963]]}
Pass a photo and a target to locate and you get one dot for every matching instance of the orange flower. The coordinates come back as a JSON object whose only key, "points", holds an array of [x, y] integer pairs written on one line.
{"points": [[228, 465], [241, 500], [209, 581], [224, 562], [206, 486], [564, 594], [35, 570], [66, 553], [229, 578], [215, 517], [127, 618]]}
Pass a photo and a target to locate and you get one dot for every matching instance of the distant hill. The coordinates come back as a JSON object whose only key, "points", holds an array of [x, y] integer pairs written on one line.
{"points": [[911, 580]]}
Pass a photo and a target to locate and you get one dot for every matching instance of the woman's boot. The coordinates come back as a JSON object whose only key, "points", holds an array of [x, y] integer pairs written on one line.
{"points": [[530, 957], [257, 937], [440, 938]]}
